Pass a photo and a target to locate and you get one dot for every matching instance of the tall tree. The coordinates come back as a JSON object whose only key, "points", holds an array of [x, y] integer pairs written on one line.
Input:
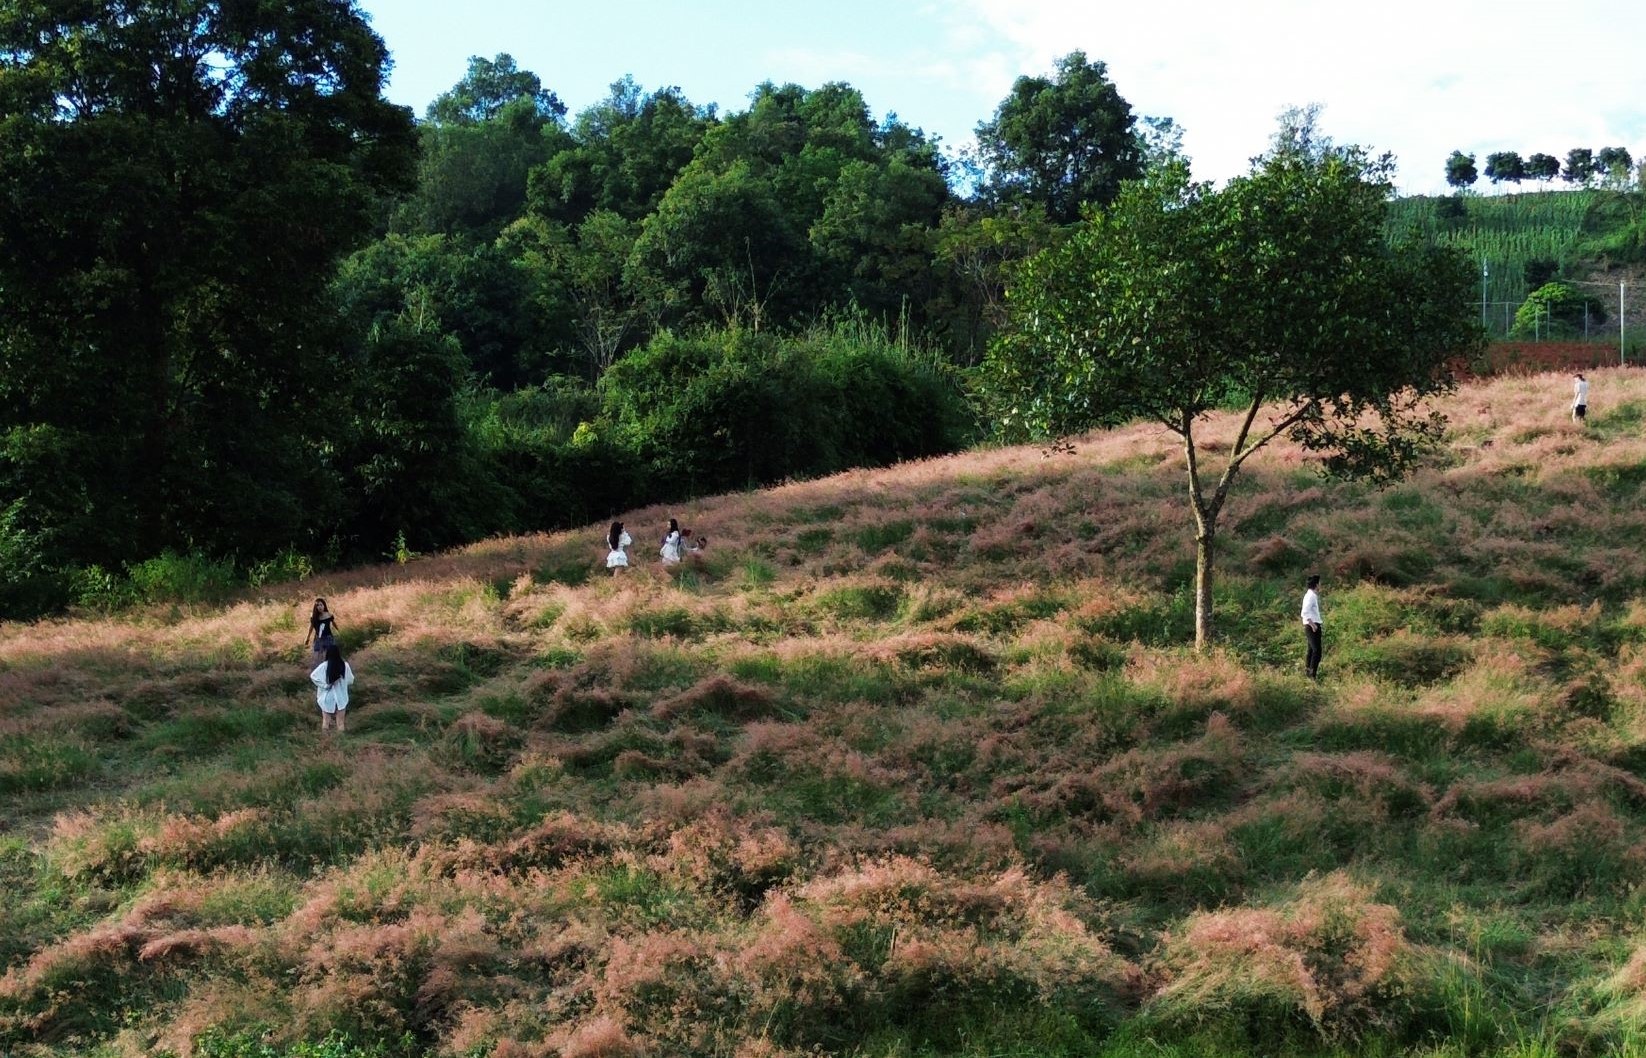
{"points": [[720, 248], [489, 86], [627, 150], [1505, 166], [1614, 165], [1580, 166], [472, 292], [876, 234], [1278, 293], [1061, 142], [480, 144], [1544, 167], [978, 248], [577, 274], [177, 178], [1460, 170]]}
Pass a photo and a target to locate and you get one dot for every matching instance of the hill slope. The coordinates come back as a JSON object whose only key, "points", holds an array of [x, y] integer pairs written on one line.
{"points": [[910, 761], [1592, 237]]}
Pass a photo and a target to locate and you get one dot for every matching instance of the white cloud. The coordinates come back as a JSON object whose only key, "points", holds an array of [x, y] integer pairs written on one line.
{"points": [[1418, 79]]}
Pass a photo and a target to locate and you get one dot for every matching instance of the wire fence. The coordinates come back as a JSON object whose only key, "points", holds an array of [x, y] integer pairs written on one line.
{"points": [[1499, 317]]}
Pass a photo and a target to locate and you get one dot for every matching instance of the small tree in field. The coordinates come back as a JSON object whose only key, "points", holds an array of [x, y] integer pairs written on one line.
{"points": [[1277, 295]]}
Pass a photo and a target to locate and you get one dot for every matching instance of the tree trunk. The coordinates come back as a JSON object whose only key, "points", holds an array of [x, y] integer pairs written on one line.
{"points": [[1205, 542]]}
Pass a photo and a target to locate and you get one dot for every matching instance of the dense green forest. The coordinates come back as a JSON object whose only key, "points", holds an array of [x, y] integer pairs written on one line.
{"points": [[255, 319]]}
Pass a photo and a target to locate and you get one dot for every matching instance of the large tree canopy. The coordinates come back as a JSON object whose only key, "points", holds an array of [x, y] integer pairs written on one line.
{"points": [[481, 142], [1063, 142], [1460, 170], [177, 178], [1277, 295], [490, 86]]}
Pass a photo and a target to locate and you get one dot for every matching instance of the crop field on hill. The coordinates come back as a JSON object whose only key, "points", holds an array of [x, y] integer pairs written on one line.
{"points": [[1504, 231], [908, 762]]}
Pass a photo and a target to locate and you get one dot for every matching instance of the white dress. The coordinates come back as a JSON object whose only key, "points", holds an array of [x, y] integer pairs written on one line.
{"points": [[331, 697], [671, 548], [618, 557]]}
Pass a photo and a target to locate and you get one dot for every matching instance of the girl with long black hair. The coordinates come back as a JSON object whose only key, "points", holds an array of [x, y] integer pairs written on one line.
{"points": [[332, 679], [322, 625], [617, 544]]}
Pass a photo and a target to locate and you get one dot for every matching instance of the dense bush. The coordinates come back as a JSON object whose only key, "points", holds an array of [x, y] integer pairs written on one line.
{"points": [[735, 409], [1557, 310]]}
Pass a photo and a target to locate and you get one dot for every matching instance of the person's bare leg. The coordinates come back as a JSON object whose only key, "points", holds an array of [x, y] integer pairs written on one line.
{"points": [[342, 724]]}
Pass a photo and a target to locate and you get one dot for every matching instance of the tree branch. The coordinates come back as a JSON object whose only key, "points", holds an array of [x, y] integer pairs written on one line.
{"points": [[1246, 427], [1197, 495], [1240, 453]]}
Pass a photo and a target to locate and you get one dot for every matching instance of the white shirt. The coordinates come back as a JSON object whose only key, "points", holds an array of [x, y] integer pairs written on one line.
{"points": [[331, 697], [1580, 392], [1311, 608]]}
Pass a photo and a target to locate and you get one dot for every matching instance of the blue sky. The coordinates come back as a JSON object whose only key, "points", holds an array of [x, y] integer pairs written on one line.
{"points": [[1415, 78]]}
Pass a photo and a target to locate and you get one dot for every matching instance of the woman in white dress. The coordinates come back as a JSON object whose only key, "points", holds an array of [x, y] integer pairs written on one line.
{"points": [[617, 544], [673, 544], [332, 679]]}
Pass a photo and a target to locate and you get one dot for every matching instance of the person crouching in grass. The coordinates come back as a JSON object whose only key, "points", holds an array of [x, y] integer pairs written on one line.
{"points": [[331, 679]]}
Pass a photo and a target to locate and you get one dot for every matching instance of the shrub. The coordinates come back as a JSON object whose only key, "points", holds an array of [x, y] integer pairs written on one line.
{"points": [[1556, 310], [479, 743], [1328, 958]]}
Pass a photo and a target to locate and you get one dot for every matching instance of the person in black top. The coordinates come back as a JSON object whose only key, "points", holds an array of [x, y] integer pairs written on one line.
{"points": [[321, 626]]}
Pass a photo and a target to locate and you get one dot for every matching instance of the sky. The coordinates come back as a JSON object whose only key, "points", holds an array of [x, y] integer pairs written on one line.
{"points": [[1418, 79]]}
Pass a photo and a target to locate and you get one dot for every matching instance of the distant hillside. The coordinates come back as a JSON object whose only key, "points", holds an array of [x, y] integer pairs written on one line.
{"points": [[909, 762], [1588, 236]]}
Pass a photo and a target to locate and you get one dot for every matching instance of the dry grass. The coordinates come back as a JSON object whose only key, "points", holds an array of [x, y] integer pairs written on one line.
{"points": [[909, 753]]}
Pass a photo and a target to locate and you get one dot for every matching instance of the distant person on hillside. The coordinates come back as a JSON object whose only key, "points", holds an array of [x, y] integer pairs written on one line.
{"points": [[322, 625], [699, 544], [617, 544], [1580, 399], [331, 679], [1311, 627], [673, 548]]}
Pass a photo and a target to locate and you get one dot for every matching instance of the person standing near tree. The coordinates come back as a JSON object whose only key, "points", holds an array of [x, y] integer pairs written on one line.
{"points": [[1580, 399], [1311, 627]]}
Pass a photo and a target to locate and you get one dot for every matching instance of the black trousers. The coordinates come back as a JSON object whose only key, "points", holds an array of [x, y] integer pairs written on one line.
{"points": [[1311, 664]]}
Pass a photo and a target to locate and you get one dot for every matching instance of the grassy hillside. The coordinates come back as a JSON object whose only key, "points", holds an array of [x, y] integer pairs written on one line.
{"points": [[910, 762]]}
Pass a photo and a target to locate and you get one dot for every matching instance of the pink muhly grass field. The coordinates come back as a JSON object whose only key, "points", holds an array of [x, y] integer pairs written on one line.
{"points": [[904, 745]]}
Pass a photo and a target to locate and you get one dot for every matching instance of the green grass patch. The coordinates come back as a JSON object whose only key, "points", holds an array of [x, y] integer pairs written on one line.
{"points": [[883, 537], [571, 570], [206, 730], [32, 764], [861, 602], [814, 540]]}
